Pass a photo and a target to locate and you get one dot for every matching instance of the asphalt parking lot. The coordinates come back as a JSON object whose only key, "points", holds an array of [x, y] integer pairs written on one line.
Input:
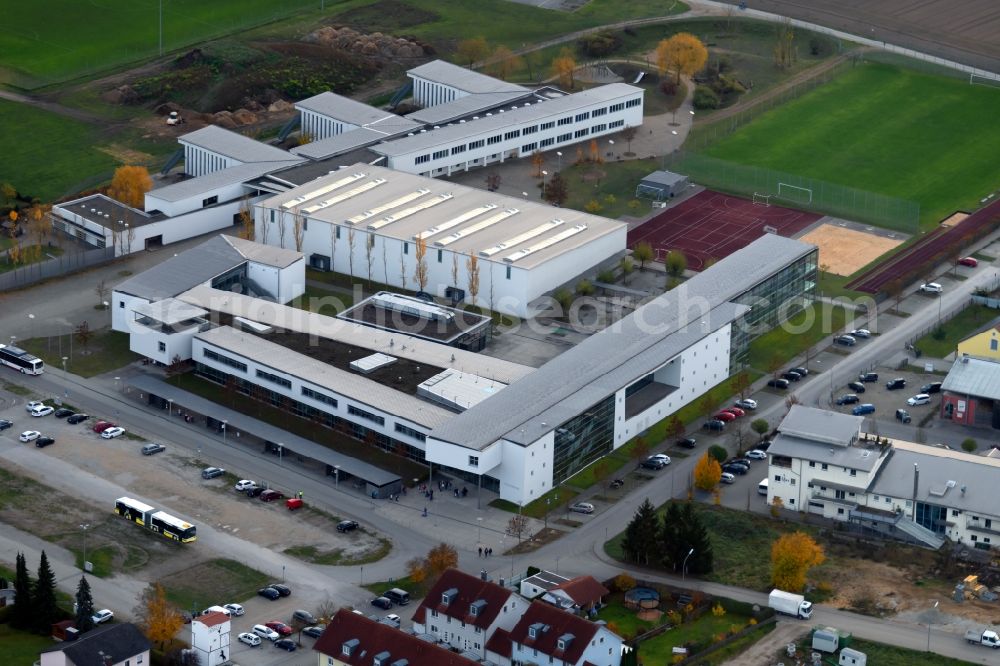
{"points": [[888, 401]]}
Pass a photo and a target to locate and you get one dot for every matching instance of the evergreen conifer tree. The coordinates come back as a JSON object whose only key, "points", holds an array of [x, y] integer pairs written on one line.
{"points": [[45, 610], [84, 606]]}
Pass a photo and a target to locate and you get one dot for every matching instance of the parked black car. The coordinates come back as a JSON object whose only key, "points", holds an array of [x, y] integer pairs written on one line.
{"points": [[617, 483], [62, 413], [895, 384], [381, 602], [4, 424], [848, 399], [282, 589], [77, 418], [687, 443], [653, 463], [801, 371], [44, 441], [778, 383], [285, 644], [315, 632], [791, 376], [269, 593], [903, 415], [933, 387], [857, 387], [347, 525], [255, 491], [714, 424], [735, 469], [868, 377]]}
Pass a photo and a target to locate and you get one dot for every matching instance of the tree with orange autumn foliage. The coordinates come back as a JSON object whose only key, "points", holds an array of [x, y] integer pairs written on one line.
{"points": [[792, 556], [707, 472], [682, 53], [564, 67], [159, 619], [130, 184]]}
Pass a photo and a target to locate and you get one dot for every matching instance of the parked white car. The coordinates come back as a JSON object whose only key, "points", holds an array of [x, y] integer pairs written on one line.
{"points": [[265, 632], [931, 288], [757, 454], [747, 403], [253, 640], [33, 404], [727, 478], [111, 433], [42, 410], [919, 399], [861, 333], [102, 616], [582, 507], [235, 609], [392, 620], [29, 435], [244, 485]]}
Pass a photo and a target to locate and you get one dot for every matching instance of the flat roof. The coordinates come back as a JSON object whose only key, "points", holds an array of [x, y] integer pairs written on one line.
{"points": [[339, 144], [613, 358], [821, 425], [370, 312], [306, 172], [949, 478], [184, 270], [498, 122], [234, 145], [107, 212], [357, 387], [667, 178], [239, 421], [394, 344], [466, 80], [458, 390], [239, 173], [974, 376], [403, 206], [259, 253], [351, 111], [170, 311], [468, 106], [859, 456]]}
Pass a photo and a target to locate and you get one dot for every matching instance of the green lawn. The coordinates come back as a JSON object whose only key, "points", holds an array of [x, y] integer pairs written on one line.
{"points": [[19, 648], [658, 650], [796, 335], [594, 182], [890, 655], [206, 583], [48, 156], [939, 345], [107, 350], [884, 129]]}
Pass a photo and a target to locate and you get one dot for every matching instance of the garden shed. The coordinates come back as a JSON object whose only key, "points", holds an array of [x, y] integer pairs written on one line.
{"points": [[661, 185]]}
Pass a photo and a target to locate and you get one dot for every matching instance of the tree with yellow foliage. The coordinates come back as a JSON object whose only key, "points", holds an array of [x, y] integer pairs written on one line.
{"points": [[792, 556], [472, 50], [681, 54], [130, 184], [420, 268], [564, 67], [159, 619], [441, 557], [707, 472], [504, 62]]}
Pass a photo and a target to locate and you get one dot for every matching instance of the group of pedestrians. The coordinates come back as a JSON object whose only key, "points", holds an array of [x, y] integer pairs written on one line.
{"points": [[485, 552]]}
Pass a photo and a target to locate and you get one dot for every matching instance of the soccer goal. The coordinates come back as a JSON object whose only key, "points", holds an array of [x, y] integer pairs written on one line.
{"points": [[990, 80], [795, 193], [761, 199]]}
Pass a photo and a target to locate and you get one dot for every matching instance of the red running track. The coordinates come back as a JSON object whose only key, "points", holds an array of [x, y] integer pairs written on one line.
{"points": [[933, 248], [711, 225]]}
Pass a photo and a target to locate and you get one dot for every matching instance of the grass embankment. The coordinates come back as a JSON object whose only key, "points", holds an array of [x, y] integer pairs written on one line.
{"points": [[800, 332], [208, 582], [106, 350], [884, 129], [944, 340]]}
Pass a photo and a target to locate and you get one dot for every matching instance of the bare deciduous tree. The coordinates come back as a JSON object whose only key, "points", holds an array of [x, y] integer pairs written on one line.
{"points": [[472, 266]]}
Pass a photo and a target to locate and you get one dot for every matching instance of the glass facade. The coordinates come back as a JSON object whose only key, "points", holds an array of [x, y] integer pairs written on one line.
{"points": [[932, 516], [773, 301], [583, 439]]}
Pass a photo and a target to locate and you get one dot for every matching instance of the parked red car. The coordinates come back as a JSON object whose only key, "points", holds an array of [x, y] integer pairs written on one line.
{"points": [[725, 416], [271, 495], [101, 426], [280, 627], [735, 410], [971, 262]]}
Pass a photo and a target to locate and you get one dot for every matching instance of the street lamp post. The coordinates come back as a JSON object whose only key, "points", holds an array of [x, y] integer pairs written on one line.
{"points": [[684, 567], [544, 174], [929, 627], [64, 359], [224, 428], [84, 527], [548, 501], [281, 448], [170, 406], [336, 475], [31, 325], [117, 379], [611, 143], [480, 521], [282, 573], [559, 155]]}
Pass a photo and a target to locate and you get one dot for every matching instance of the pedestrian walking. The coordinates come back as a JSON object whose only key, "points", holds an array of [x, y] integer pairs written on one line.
{"points": [[480, 551]]}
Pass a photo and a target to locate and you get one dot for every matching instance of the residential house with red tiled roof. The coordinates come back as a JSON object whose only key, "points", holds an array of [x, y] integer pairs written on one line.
{"points": [[354, 640], [547, 635], [579, 594], [464, 611]]}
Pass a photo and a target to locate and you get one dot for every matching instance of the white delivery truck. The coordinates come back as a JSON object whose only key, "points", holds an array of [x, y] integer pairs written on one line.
{"points": [[790, 604], [983, 636]]}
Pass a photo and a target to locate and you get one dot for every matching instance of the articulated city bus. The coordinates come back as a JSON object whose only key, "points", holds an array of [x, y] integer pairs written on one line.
{"points": [[160, 522], [21, 360]]}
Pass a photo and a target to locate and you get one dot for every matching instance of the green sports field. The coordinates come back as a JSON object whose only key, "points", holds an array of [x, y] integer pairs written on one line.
{"points": [[48, 41], [884, 129]]}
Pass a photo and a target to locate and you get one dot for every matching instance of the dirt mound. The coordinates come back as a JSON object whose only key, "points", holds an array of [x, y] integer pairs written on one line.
{"points": [[372, 45]]}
